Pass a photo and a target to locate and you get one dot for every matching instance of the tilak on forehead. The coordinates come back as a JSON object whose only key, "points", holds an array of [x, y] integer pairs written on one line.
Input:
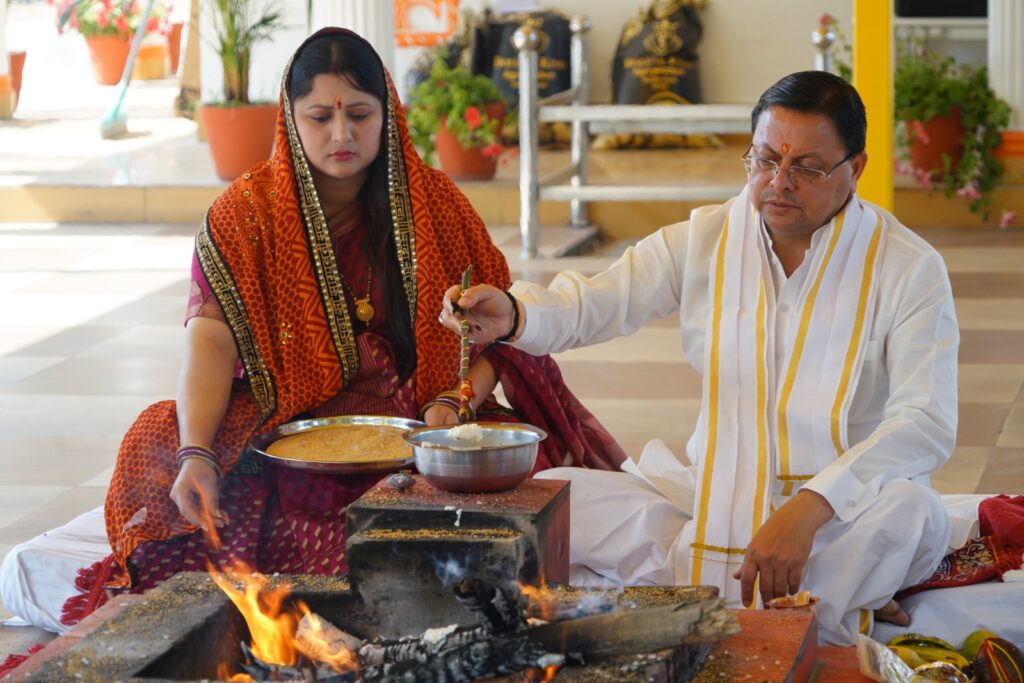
{"points": [[338, 103], [785, 147]]}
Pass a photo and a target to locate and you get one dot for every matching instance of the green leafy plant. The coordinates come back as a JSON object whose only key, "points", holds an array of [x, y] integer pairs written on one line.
{"points": [[238, 25], [929, 85], [105, 17], [457, 97]]}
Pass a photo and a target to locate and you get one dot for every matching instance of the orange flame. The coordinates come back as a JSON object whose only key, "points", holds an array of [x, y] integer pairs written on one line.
{"points": [[548, 673], [541, 600], [210, 532], [318, 646], [273, 623], [224, 674], [271, 620]]}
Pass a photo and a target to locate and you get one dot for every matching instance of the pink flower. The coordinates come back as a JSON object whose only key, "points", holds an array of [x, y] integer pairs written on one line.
{"points": [[917, 131], [969, 192], [826, 20], [472, 117], [924, 179], [492, 150], [122, 24], [1008, 217], [904, 167]]}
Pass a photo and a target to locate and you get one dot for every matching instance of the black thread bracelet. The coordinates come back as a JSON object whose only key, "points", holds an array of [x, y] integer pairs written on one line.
{"points": [[510, 336]]}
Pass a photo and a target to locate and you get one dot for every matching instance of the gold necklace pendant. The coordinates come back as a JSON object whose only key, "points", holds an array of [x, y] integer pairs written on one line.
{"points": [[364, 309]]}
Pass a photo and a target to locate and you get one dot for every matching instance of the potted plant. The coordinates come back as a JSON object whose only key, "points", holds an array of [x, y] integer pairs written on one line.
{"points": [[952, 123], [240, 132], [460, 115], [107, 26]]}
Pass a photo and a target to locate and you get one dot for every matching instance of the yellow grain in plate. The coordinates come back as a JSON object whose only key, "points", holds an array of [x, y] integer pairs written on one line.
{"points": [[344, 443]]}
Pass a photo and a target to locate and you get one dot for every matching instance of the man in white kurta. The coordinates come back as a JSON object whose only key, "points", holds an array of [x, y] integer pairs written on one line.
{"points": [[827, 339]]}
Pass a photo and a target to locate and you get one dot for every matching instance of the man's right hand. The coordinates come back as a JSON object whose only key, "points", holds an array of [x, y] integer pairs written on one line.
{"points": [[195, 494], [490, 312]]}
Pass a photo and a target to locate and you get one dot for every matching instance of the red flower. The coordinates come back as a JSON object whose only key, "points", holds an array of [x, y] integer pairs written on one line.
{"points": [[472, 117], [826, 20], [492, 150], [152, 25], [122, 24], [917, 131], [102, 19]]}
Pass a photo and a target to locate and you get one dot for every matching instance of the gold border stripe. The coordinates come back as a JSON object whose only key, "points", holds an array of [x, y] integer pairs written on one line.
{"points": [[709, 453], [223, 286], [798, 349], [855, 338], [719, 549], [762, 402]]}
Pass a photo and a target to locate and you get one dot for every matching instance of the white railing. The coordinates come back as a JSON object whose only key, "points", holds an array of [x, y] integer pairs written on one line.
{"points": [[570, 182]]}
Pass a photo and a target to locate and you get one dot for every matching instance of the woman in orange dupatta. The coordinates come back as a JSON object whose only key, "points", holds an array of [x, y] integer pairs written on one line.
{"points": [[317, 274]]}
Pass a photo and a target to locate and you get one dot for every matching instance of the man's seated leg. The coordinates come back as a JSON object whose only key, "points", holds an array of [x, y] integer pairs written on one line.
{"points": [[38, 576], [895, 542], [623, 531]]}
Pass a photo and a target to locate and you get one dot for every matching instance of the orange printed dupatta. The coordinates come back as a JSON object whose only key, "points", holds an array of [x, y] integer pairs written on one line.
{"points": [[266, 252]]}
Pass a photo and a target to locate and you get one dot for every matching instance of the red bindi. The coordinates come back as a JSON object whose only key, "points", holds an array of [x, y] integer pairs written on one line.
{"points": [[337, 102]]}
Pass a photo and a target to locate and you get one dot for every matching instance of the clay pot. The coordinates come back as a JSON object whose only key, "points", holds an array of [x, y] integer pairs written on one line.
{"points": [[945, 136], [239, 136], [174, 45], [151, 62], [16, 61], [108, 53], [460, 163]]}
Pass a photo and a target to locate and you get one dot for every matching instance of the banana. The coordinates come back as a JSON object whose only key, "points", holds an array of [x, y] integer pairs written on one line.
{"points": [[918, 639], [938, 654], [909, 657]]}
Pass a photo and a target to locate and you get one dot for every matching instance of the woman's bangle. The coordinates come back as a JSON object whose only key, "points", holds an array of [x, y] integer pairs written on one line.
{"points": [[449, 399], [192, 452], [510, 336]]}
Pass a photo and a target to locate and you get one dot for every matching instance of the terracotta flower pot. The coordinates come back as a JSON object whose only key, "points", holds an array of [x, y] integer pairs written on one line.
{"points": [[174, 45], [239, 136], [108, 53], [461, 163], [943, 135], [16, 60]]}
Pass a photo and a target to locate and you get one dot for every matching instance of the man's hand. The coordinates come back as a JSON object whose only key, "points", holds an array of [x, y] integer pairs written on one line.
{"points": [[489, 310], [780, 548]]}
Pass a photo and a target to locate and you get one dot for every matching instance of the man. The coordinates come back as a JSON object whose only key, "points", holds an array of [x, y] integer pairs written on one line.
{"points": [[827, 340]]}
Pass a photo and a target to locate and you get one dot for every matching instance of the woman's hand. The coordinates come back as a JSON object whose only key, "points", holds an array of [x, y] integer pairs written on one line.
{"points": [[438, 414], [489, 310], [195, 494]]}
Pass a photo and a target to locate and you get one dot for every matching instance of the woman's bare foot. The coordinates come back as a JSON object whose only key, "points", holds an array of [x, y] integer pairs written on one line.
{"points": [[892, 613]]}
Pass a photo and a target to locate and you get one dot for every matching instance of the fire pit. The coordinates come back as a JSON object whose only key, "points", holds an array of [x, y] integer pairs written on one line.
{"points": [[442, 587]]}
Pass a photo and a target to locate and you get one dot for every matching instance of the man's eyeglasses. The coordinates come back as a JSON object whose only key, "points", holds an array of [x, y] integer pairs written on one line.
{"points": [[798, 174]]}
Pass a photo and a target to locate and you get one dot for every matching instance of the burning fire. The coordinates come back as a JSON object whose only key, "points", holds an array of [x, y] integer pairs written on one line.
{"points": [[280, 629], [541, 600], [271, 622], [224, 674]]}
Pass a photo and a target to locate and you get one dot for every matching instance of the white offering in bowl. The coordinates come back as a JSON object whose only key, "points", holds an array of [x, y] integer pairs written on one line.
{"points": [[471, 432]]}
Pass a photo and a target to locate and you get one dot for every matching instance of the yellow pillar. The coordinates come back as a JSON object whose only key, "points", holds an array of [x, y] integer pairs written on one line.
{"points": [[872, 76]]}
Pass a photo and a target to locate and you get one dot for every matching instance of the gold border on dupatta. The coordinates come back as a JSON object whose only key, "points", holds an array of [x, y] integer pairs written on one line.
{"points": [[222, 284], [401, 208], [325, 263]]}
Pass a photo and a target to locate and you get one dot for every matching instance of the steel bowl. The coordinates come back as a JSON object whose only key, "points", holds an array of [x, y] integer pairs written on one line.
{"points": [[261, 442], [503, 458]]}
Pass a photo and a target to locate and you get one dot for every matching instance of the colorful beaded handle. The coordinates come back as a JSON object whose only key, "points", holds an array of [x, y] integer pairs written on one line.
{"points": [[465, 383]]}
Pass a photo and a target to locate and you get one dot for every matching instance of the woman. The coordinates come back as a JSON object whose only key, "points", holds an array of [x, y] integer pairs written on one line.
{"points": [[316, 274]]}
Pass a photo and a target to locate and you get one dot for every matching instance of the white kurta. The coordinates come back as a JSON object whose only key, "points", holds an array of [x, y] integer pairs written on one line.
{"points": [[902, 420]]}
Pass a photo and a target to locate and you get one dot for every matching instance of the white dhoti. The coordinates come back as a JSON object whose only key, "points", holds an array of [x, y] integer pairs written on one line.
{"points": [[624, 531]]}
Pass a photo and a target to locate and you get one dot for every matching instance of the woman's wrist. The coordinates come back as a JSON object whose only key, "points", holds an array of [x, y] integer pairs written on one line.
{"points": [[449, 399], [189, 452]]}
